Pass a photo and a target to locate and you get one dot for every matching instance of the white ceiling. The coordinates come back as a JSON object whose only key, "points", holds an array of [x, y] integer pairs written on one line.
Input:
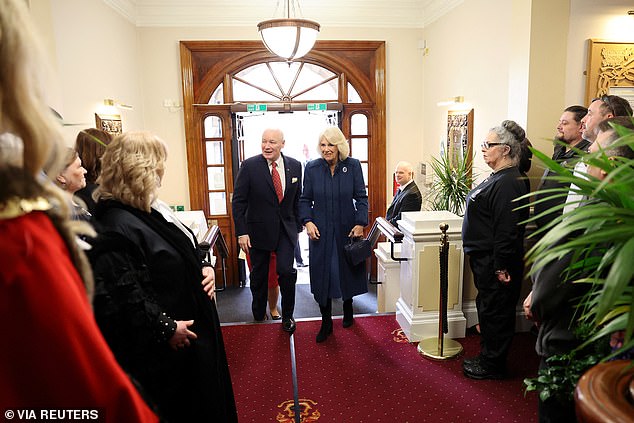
{"points": [[335, 13]]}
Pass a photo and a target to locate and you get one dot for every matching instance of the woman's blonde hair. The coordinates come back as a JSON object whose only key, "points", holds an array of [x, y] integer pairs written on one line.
{"points": [[334, 136], [23, 106], [131, 169]]}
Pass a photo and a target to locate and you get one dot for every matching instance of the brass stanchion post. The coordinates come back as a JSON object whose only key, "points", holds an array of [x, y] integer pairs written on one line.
{"points": [[436, 347]]}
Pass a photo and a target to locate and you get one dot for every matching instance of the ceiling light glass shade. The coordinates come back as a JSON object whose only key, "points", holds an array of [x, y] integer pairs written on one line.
{"points": [[289, 38]]}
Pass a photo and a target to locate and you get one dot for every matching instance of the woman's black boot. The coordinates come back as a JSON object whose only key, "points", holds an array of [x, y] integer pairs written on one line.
{"points": [[326, 322], [348, 320]]}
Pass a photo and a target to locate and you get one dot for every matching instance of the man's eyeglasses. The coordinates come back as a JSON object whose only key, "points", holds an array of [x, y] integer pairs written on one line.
{"points": [[486, 145]]}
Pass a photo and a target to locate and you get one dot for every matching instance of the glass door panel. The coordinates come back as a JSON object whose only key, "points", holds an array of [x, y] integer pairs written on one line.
{"points": [[215, 165]]}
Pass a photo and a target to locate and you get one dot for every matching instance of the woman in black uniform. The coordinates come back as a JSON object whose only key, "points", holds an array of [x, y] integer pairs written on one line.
{"points": [[493, 239]]}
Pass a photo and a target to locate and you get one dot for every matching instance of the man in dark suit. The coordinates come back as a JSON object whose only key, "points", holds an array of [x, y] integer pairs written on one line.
{"points": [[408, 197], [265, 202]]}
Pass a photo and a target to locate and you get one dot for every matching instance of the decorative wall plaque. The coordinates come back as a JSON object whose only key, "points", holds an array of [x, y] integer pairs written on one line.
{"points": [[109, 123], [610, 68], [459, 135]]}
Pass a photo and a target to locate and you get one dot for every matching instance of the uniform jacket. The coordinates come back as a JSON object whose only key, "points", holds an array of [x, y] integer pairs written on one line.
{"points": [[492, 219], [548, 181]]}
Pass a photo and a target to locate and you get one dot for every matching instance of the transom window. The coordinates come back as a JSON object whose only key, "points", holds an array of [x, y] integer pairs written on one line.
{"points": [[284, 82]]}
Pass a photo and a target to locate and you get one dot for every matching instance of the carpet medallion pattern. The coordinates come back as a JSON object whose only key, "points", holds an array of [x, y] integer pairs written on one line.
{"points": [[399, 336], [308, 411], [369, 373]]}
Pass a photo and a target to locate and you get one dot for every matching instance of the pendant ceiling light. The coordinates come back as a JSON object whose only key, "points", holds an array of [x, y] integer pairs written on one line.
{"points": [[289, 38]]}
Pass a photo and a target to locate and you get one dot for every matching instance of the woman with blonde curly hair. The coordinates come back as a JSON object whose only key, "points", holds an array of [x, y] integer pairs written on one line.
{"points": [[53, 354], [150, 284]]}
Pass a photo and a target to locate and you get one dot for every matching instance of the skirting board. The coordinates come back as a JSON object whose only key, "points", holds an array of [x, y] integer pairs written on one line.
{"points": [[425, 325], [522, 324]]}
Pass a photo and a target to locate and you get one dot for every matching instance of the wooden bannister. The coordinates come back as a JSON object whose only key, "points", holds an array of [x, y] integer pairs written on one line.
{"points": [[213, 238]]}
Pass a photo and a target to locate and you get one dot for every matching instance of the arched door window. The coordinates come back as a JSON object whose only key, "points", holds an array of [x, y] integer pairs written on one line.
{"points": [[280, 81]]}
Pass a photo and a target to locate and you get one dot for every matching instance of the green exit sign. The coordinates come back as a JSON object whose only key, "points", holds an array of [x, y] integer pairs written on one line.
{"points": [[316, 106], [256, 107]]}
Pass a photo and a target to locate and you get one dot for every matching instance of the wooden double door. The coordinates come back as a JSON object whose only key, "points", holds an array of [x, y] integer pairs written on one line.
{"points": [[225, 79]]}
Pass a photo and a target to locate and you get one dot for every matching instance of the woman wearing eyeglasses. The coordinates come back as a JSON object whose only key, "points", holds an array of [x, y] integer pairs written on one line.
{"points": [[493, 238]]}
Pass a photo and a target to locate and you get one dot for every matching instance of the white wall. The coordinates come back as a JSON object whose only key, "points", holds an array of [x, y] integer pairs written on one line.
{"points": [[96, 57], [605, 20], [470, 55]]}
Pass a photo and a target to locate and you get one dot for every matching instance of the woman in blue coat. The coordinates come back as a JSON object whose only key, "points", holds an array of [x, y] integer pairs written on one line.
{"points": [[333, 207]]}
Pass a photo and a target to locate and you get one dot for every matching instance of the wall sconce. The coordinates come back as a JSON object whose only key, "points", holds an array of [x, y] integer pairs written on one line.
{"points": [[455, 104], [108, 118]]}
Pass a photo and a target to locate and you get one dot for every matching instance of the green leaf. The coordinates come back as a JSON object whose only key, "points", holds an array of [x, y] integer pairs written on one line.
{"points": [[618, 278]]}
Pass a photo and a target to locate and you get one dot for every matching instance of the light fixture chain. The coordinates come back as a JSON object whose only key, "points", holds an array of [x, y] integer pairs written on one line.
{"points": [[277, 7], [297, 12]]}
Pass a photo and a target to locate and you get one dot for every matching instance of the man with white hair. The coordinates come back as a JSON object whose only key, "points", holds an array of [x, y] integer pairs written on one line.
{"points": [[408, 197]]}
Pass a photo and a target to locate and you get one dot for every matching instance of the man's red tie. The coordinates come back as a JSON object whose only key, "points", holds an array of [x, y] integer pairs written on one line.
{"points": [[277, 182]]}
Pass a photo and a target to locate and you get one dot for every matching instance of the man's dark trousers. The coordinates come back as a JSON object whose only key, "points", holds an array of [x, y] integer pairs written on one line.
{"points": [[287, 276]]}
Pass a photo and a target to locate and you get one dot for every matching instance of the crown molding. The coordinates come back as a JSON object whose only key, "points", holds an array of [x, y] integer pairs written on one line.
{"points": [[438, 8], [126, 8], [334, 13]]}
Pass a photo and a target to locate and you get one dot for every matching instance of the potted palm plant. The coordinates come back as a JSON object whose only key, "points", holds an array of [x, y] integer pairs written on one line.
{"points": [[451, 184], [606, 225]]}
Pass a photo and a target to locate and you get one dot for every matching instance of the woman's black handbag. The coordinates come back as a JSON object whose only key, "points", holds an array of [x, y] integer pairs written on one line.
{"points": [[357, 250]]}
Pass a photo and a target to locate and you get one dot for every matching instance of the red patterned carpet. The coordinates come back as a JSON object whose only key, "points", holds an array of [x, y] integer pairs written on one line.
{"points": [[369, 373]]}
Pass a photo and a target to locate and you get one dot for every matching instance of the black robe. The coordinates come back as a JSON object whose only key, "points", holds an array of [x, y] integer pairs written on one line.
{"points": [[147, 275]]}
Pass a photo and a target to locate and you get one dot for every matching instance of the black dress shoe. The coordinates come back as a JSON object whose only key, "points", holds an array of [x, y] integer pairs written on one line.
{"points": [[288, 325], [478, 370], [471, 360]]}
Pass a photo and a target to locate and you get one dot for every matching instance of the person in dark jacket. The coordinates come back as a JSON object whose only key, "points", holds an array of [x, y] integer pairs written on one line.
{"points": [[493, 238], [333, 207], [150, 281], [553, 301], [265, 214], [569, 131], [408, 197]]}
